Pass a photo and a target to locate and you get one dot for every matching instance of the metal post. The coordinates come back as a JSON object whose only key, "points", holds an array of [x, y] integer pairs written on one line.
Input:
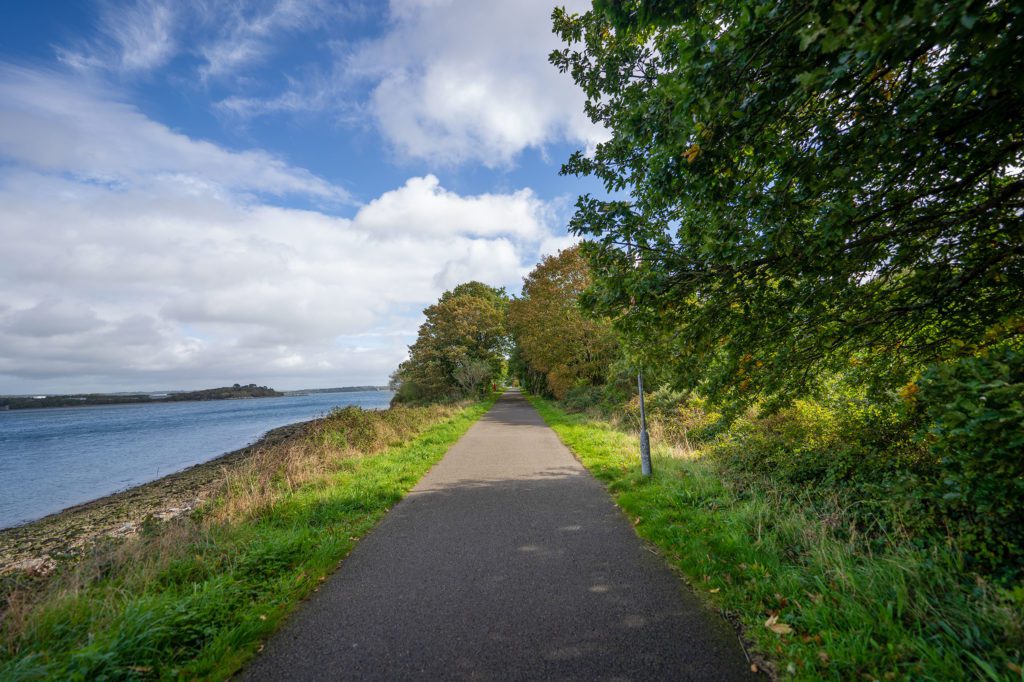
{"points": [[645, 441]]}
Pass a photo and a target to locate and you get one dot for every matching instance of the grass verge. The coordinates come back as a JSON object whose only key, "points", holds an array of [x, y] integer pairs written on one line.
{"points": [[192, 599], [816, 603]]}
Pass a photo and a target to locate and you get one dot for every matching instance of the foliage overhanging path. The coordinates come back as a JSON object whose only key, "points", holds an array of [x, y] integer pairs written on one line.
{"points": [[507, 561]]}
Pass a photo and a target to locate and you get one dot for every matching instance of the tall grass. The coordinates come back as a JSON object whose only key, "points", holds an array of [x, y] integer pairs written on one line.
{"points": [[192, 598], [816, 598]]}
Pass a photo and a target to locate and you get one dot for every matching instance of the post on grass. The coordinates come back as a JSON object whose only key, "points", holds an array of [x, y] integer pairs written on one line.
{"points": [[645, 441]]}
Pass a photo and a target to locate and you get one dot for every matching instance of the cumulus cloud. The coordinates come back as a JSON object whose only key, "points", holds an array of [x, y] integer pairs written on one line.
{"points": [[462, 80], [423, 203], [447, 81], [450, 81], [133, 284], [142, 258]]}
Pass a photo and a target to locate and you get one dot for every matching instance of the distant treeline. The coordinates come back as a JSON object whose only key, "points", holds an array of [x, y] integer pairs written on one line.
{"points": [[223, 393], [343, 389]]}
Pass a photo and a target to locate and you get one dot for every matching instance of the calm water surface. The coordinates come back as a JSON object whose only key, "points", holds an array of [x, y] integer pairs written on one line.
{"points": [[53, 458]]}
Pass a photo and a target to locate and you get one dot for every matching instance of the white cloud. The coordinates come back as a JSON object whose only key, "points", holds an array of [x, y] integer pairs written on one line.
{"points": [[463, 80], [449, 81], [54, 123], [246, 37], [425, 207], [226, 36], [133, 38], [136, 257], [310, 92], [144, 33], [129, 284], [49, 318]]}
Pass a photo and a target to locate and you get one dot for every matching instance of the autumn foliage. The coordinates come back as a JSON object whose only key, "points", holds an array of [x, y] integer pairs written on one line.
{"points": [[559, 348]]}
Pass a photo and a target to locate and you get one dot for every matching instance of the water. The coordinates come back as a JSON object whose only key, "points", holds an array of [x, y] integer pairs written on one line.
{"points": [[54, 458]]}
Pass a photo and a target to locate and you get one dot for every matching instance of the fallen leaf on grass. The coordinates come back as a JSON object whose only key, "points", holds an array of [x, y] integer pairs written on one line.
{"points": [[824, 657], [778, 628], [1014, 667], [714, 590]]}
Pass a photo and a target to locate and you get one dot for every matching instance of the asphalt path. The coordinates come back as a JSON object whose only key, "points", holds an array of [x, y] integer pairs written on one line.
{"points": [[508, 561]]}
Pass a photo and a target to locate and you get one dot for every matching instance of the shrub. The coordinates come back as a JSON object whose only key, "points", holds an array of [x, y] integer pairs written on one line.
{"points": [[976, 413], [583, 398], [844, 449]]}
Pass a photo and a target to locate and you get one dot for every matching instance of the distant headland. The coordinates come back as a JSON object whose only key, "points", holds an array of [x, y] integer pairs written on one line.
{"points": [[238, 391]]}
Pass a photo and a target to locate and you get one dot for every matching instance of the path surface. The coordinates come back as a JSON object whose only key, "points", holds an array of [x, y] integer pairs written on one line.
{"points": [[507, 561]]}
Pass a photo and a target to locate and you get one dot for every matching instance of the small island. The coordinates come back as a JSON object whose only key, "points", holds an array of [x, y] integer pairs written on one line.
{"points": [[78, 400]]}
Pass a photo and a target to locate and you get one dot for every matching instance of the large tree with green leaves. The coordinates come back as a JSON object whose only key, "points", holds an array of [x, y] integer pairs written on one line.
{"points": [[553, 338], [460, 348], [803, 186]]}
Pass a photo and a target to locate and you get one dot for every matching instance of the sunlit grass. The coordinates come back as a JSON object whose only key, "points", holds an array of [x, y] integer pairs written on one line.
{"points": [[840, 608], [192, 599]]}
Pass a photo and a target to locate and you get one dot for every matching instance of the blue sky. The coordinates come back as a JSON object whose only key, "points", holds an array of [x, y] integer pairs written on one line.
{"points": [[198, 192]]}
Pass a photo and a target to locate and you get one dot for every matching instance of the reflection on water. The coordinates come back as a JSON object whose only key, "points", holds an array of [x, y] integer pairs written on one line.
{"points": [[54, 458]]}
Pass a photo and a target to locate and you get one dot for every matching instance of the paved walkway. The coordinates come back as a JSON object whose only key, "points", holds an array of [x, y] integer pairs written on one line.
{"points": [[507, 561]]}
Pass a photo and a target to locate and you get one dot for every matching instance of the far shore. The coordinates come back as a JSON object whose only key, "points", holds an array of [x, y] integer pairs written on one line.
{"points": [[236, 392], [38, 546]]}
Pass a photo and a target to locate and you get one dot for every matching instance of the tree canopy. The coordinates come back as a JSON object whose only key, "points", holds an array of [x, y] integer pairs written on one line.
{"points": [[812, 186], [555, 342], [460, 348]]}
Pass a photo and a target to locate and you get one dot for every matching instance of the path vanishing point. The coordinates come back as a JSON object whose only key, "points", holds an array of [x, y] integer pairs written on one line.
{"points": [[508, 561]]}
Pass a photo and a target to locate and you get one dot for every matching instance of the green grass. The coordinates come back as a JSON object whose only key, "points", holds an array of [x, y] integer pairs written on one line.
{"points": [[854, 612], [195, 602]]}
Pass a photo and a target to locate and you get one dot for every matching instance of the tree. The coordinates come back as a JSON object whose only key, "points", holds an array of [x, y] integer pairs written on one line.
{"points": [[461, 346], [473, 376], [812, 186], [553, 337]]}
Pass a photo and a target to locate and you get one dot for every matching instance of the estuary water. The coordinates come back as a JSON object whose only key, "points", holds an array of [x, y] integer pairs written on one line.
{"points": [[54, 458]]}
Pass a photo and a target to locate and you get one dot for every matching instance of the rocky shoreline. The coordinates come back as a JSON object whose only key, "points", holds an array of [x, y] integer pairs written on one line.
{"points": [[39, 546]]}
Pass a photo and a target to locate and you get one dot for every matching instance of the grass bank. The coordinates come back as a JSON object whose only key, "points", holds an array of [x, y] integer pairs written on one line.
{"points": [[816, 599], [194, 597]]}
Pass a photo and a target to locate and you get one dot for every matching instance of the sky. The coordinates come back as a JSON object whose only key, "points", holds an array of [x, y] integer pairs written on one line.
{"points": [[196, 193]]}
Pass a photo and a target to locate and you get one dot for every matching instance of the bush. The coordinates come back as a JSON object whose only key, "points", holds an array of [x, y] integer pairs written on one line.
{"points": [[583, 398], [370, 431], [976, 413], [845, 450]]}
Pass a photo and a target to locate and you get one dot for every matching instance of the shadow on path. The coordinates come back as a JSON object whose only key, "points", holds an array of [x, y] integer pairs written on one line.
{"points": [[507, 561]]}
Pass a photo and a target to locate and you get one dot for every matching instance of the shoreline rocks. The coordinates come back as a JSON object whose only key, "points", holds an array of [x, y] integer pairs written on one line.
{"points": [[37, 547]]}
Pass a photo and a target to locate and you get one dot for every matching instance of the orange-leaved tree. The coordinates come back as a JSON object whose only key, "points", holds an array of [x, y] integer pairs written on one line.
{"points": [[557, 347]]}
